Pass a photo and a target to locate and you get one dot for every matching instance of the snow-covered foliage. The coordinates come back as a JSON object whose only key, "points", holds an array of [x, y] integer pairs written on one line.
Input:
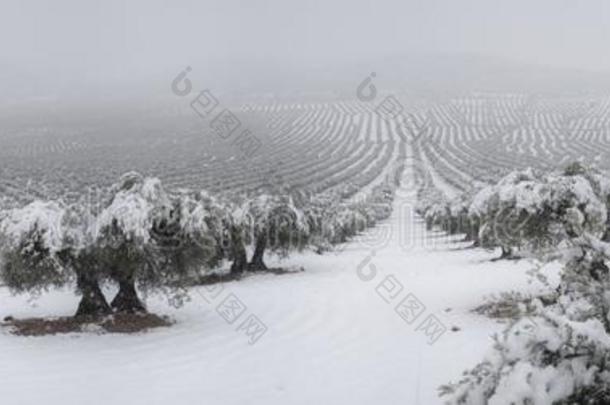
{"points": [[79, 227], [181, 236], [561, 353], [136, 202], [576, 204], [343, 222], [519, 188], [543, 359], [277, 219], [46, 244], [31, 238], [192, 217], [506, 208], [182, 216], [451, 216], [38, 221], [222, 213], [436, 214], [526, 210], [332, 221], [530, 210], [558, 355]]}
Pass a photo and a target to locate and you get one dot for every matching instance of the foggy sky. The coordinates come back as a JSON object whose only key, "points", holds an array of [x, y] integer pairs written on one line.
{"points": [[49, 47]]}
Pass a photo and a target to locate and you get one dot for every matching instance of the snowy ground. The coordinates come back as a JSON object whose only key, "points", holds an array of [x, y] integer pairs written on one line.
{"points": [[331, 338]]}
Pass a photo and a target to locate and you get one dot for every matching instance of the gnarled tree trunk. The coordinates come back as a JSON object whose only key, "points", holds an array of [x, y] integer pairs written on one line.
{"points": [[257, 263], [238, 252], [93, 302], [127, 299]]}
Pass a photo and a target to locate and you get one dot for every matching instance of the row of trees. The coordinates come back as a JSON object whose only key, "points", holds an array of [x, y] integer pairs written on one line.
{"points": [[141, 235], [527, 210], [560, 352]]}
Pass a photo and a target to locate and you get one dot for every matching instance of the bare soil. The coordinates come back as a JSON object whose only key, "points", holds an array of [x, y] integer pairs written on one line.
{"points": [[116, 323]]}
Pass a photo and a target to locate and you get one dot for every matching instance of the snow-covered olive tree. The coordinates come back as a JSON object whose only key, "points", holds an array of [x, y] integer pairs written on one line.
{"points": [[343, 222], [436, 214], [505, 209], [600, 183], [32, 237], [532, 211], [124, 234], [182, 243], [317, 211], [452, 216], [228, 223], [336, 223], [276, 225], [152, 238], [459, 220], [81, 253], [47, 244]]}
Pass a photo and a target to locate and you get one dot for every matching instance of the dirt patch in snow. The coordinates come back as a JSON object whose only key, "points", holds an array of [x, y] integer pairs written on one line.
{"points": [[117, 323]]}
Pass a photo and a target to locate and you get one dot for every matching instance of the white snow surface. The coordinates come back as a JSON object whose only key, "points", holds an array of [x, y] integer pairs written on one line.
{"points": [[331, 339]]}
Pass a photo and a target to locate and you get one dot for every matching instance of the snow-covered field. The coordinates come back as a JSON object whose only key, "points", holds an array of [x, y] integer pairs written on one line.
{"points": [[332, 338]]}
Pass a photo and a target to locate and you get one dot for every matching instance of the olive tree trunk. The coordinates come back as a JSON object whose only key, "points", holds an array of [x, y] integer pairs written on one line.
{"points": [[238, 252], [127, 299], [93, 302], [257, 263]]}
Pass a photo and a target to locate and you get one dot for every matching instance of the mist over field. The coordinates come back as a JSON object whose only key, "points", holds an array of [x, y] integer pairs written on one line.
{"points": [[90, 49], [295, 202]]}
